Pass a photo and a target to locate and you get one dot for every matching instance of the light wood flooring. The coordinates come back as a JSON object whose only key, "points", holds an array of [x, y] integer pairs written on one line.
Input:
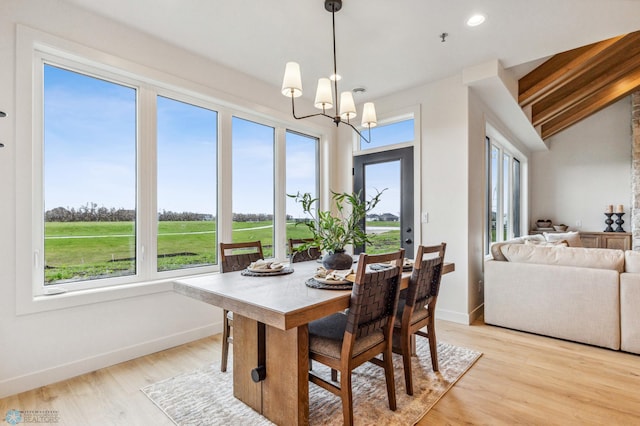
{"points": [[520, 379]]}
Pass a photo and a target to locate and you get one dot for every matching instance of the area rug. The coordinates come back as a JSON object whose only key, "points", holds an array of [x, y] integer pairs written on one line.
{"points": [[205, 396]]}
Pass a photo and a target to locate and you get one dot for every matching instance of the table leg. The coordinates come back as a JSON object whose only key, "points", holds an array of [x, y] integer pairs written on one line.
{"points": [[245, 359], [285, 390]]}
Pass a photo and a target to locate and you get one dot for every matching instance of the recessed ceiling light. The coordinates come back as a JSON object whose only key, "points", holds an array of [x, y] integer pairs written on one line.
{"points": [[475, 20]]}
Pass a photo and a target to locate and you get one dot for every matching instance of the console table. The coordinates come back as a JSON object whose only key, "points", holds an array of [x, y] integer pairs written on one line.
{"points": [[610, 240]]}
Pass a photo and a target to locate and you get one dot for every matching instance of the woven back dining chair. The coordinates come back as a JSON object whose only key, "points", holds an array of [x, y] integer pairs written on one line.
{"points": [[235, 257], [343, 341], [417, 307], [312, 253]]}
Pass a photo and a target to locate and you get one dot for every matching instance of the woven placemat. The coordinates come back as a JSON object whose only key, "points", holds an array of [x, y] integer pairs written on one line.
{"points": [[284, 271], [313, 283]]}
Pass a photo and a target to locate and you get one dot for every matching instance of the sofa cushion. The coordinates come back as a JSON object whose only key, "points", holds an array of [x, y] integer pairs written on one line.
{"points": [[631, 261], [562, 243], [565, 256], [572, 238], [495, 247]]}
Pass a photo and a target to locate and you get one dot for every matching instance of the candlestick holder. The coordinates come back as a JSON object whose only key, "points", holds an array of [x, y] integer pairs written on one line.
{"points": [[619, 222], [609, 222]]}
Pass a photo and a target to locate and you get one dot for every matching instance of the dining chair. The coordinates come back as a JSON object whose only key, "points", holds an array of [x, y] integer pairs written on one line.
{"points": [[235, 257], [345, 340], [312, 253], [417, 307]]}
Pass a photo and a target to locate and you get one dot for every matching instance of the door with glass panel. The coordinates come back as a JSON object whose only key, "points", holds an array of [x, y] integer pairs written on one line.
{"points": [[390, 224]]}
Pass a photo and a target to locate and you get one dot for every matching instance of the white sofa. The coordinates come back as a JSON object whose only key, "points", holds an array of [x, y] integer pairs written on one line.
{"points": [[585, 295]]}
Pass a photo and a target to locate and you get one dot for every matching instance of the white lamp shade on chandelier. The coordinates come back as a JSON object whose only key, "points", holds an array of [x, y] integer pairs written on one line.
{"points": [[324, 98], [292, 82], [347, 106], [369, 118]]}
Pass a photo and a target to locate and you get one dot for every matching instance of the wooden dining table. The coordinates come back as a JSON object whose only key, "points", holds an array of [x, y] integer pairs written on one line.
{"points": [[270, 333]]}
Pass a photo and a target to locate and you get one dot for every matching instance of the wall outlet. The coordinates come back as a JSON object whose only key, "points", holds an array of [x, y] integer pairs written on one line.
{"points": [[578, 223], [425, 217]]}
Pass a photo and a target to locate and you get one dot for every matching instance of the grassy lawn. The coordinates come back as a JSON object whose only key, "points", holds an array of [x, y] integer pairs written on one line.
{"points": [[84, 250]]}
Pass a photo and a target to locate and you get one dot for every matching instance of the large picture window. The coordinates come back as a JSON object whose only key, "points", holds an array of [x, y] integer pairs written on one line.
{"points": [[127, 179], [302, 177], [89, 177], [187, 175], [503, 194]]}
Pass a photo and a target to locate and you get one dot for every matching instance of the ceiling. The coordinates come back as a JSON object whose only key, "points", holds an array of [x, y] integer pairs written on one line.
{"points": [[572, 85], [384, 46]]}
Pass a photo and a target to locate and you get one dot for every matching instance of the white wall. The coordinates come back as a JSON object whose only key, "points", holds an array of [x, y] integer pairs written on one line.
{"points": [[587, 167], [444, 184], [40, 348]]}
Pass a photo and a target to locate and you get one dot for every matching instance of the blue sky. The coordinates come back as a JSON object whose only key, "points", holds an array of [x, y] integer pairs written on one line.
{"points": [[90, 152]]}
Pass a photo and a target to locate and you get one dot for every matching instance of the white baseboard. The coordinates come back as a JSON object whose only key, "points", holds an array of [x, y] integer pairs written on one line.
{"points": [[452, 316], [55, 374]]}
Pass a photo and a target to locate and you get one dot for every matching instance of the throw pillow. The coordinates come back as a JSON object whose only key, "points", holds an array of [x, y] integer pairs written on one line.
{"points": [[572, 238]]}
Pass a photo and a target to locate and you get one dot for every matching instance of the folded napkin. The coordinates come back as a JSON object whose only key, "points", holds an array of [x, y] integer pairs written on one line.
{"points": [[406, 262], [261, 264], [333, 274]]}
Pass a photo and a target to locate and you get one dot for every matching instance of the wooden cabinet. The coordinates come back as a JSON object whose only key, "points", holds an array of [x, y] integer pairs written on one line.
{"points": [[610, 240]]}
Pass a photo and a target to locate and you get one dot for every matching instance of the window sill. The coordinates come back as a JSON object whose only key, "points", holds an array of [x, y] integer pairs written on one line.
{"points": [[26, 303]]}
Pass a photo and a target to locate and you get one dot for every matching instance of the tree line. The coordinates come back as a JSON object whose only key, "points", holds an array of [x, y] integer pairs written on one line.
{"points": [[92, 213]]}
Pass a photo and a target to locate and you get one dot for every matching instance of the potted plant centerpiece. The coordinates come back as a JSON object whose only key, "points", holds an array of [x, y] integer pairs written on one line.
{"points": [[332, 232]]}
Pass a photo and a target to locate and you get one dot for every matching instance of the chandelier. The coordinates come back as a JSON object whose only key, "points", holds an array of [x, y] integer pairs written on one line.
{"points": [[345, 111]]}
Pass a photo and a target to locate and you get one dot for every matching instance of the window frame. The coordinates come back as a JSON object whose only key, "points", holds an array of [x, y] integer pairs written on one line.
{"points": [[515, 195], [33, 45]]}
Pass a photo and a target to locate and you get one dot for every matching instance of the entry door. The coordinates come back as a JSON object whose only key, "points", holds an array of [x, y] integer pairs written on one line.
{"points": [[390, 224]]}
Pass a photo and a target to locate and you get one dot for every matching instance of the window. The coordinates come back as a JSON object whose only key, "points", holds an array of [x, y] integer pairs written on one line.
{"points": [[389, 134], [503, 194], [89, 177], [252, 183], [130, 179], [187, 175], [302, 177]]}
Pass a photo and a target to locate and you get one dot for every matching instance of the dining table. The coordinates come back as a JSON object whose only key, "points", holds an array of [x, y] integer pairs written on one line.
{"points": [[271, 314]]}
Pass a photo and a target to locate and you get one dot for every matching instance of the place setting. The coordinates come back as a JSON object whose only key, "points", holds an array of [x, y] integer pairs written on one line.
{"points": [[331, 279], [407, 265], [266, 268]]}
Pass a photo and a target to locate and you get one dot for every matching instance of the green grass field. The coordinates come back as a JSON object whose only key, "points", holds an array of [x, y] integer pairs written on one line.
{"points": [[85, 250]]}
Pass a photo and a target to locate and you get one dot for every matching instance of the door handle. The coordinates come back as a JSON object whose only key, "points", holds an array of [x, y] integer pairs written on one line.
{"points": [[408, 241]]}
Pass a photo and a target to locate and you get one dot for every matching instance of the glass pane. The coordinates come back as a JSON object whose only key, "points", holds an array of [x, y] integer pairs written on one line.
{"points": [[388, 134], [252, 151], [494, 191], [516, 198], [302, 177], [383, 222], [187, 146], [506, 199], [89, 177]]}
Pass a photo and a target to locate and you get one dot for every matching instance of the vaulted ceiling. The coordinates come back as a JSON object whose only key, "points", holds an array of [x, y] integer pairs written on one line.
{"points": [[574, 84]]}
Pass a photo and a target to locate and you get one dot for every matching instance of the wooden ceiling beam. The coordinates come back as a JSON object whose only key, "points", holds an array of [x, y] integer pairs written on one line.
{"points": [[585, 86], [587, 106], [558, 70]]}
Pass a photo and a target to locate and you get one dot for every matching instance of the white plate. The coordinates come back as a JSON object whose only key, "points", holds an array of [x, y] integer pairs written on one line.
{"points": [[266, 271], [329, 282]]}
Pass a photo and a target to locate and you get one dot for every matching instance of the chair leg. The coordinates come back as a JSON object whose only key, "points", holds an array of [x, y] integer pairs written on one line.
{"points": [[346, 396], [405, 347], [433, 344], [334, 375], [387, 358], [225, 340]]}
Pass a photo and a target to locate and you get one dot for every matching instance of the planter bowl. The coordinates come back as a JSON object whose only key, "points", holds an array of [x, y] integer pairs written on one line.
{"points": [[338, 260]]}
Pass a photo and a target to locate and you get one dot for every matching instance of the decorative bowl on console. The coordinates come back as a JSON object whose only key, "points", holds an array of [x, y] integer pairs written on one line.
{"points": [[543, 223], [561, 227]]}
